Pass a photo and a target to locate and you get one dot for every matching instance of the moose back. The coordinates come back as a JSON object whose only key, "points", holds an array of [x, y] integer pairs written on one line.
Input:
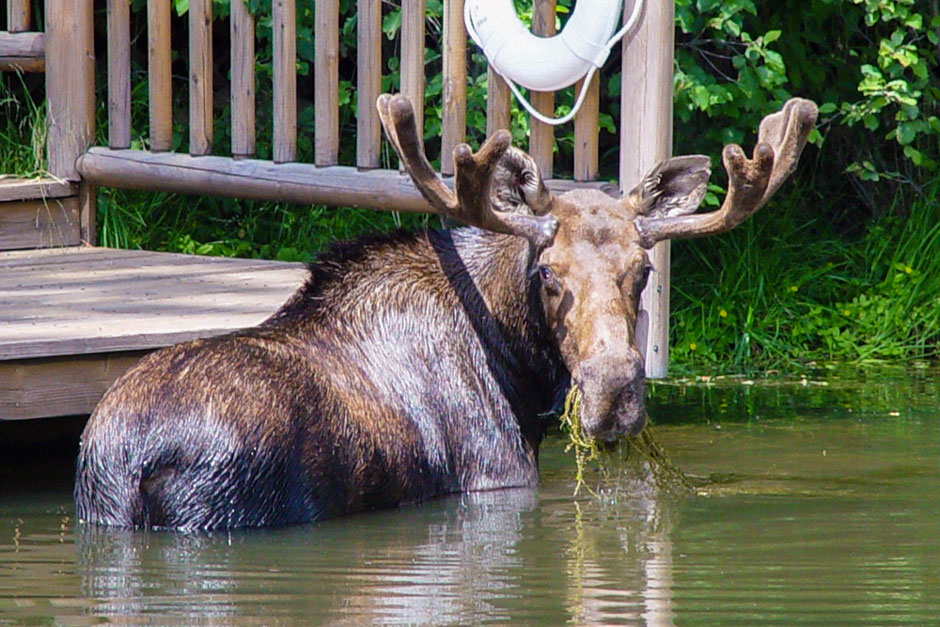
{"points": [[415, 364]]}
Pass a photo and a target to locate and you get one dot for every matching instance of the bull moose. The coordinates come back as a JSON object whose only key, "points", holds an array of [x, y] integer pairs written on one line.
{"points": [[415, 364]]}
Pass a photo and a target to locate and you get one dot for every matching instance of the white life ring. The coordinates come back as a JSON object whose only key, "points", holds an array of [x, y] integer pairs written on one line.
{"points": [[543, 63]]}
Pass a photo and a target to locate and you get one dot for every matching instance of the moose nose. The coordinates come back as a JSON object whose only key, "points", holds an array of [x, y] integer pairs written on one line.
{"points": [[613, 403]]}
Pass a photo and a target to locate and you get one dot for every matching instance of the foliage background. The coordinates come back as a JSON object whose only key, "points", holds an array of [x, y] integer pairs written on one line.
{"points": [[844, 264]]}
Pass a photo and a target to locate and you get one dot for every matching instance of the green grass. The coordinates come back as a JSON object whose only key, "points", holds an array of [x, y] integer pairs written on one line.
{"points": [[790, 287], [22, 129]]}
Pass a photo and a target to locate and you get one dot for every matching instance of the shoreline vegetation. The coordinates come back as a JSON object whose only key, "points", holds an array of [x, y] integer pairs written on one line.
{"points": [[842, 266]]}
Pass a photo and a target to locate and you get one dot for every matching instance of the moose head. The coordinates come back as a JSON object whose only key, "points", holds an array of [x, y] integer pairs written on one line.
{"points": [[587, 250]]}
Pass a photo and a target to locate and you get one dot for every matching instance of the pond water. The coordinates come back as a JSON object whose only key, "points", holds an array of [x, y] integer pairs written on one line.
{"points": [[817, 504]]}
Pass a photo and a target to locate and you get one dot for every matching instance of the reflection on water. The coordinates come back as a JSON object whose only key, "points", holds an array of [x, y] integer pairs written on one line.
{"points": [[819, 506]]}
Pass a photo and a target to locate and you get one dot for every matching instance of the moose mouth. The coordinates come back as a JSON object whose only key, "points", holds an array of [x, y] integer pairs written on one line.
{"points": [[610, 416]]}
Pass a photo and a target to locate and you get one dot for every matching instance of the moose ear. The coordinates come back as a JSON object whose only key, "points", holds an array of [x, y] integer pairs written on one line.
{"points": [[675, 187], [517, 185]]}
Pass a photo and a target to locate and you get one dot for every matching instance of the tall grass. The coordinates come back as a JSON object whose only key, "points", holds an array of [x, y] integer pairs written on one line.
{"points": [[22, 128], [791, 287]]}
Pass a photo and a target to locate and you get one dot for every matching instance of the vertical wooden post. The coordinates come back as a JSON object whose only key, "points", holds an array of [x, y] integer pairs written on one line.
{"points": [[70, 92], [412, 57], [542, 136], [161, 86], [368, 82], [498, 101], [18, 16], [119, 74], [70, 83], [242, 28], [200, 77], [454, 115], [285, 80], [326, 83], [646, 139], [586, 131]]}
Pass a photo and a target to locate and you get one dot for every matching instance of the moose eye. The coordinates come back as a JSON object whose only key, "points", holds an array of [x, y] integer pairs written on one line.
{"points": [[547, 277]]}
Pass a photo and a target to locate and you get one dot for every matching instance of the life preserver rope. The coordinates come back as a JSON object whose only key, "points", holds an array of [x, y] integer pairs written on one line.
{"points": [[547, 63]]}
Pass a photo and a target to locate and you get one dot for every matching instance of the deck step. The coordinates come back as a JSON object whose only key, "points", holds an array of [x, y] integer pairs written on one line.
{"points": [[15, 188], [73, 319]]}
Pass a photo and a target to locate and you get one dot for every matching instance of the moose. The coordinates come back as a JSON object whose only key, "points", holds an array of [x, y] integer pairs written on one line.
{"points": [[415, 364]]}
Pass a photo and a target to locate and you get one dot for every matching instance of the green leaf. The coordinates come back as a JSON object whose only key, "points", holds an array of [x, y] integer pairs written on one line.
{"points": [[771, 36]]}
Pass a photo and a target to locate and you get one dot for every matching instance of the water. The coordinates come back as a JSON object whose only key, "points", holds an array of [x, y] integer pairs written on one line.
{"points": [[818, 506]]}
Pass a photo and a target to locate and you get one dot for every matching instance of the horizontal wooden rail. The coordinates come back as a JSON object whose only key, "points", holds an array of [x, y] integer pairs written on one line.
{"points": [[294, 182], [301, 183], [25, 52]]}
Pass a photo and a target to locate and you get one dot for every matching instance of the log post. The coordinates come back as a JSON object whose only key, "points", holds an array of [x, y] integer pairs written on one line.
{"points": [[160, 78], [285, 80], [326, 83], [454, 122], [542, 136], [242, 29], [646, 139], [119, 73], [70, 91], [368, 82], [18, 16], [70, 83], [498, 103], [200, 77], [412, 58]]}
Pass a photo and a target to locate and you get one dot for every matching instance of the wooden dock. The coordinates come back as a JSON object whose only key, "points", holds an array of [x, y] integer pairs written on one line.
{"points": [[73, 319]]}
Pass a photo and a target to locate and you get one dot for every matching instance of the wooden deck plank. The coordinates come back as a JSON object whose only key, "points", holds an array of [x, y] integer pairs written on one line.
{"points": [[63, 386], [12, 188], [81, 301], [43, 223]]}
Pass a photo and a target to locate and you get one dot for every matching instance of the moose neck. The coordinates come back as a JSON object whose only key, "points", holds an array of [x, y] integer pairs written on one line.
{"points": [[491, 276]]}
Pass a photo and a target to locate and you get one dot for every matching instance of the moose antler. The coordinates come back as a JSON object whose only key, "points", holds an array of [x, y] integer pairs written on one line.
{"points": [[751, 182], [473, 177]]}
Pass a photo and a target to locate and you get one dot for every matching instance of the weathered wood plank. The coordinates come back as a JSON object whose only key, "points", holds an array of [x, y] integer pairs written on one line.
{"points": [[88, 214], [646, 139], [326, 83], [70, 83], [160, 79], [61, 386], [200, 77], [21, 51], [119, 73], [498, 101], [542, 136], [412, 57], [26, 45], [128, 300], [18, 16], [242, 27], [586, 132], [33, 189], [368, 82], [454, 114], [300, 183], [39, 223], [285, 81], [22, 64]]}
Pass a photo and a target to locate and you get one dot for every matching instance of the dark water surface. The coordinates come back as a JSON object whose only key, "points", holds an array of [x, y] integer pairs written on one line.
{"points": [[819, 505]]}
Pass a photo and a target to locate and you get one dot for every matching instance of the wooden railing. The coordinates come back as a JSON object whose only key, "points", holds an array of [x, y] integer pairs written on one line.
{"points": [[282, 178], [66, 52]]}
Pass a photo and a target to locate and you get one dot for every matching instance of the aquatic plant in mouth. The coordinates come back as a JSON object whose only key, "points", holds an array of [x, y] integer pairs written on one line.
{"points": [[638, 454]]}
